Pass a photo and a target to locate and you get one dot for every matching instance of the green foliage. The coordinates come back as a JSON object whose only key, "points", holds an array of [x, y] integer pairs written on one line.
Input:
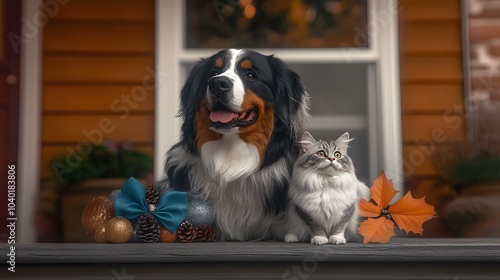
{"points": [[466, 163], [133, 163], [110, 160], [474, 161], [477, 170]]}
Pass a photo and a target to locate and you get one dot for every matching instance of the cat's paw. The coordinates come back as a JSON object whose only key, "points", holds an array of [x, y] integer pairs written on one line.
{"points": [[319, 240], [291, 238], [336, 240]]}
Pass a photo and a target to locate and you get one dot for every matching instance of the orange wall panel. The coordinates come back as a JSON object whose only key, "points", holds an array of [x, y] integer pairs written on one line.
{"points": [[75, 128], [429, 10], [431, 98], [96, 69], [97, 37], [432, 68], [422, 127], [428, 37], [98, 66], [432, 84], [98, 98], [109, 10]]}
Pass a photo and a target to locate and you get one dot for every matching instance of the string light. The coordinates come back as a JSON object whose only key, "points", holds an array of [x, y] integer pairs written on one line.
{"points": [[250, 11]]}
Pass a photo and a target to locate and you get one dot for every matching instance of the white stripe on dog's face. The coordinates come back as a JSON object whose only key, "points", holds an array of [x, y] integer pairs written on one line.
{"points": [[236, 95]]}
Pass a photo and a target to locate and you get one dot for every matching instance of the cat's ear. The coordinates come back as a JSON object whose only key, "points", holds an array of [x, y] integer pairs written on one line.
{"points": [[343, 142], [307, 141]]}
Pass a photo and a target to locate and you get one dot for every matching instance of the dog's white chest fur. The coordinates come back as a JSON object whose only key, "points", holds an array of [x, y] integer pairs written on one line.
{"points": [[229, 158]]}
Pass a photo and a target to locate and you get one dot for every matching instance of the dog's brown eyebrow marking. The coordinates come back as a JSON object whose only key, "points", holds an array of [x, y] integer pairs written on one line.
{"points": [[246, 64], [218, 62]]}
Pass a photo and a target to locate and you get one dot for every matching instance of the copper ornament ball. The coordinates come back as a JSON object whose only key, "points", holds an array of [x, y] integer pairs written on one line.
{"points": [[118, 230], [100, 234], [167, 236], [97, 212]]}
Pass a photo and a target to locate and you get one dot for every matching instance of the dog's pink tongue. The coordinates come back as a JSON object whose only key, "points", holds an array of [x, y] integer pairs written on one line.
{"points": [[222, 116]]}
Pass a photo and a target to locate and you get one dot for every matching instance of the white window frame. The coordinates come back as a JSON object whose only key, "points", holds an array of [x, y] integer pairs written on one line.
{"points": [[383, 53], [29, 138]]}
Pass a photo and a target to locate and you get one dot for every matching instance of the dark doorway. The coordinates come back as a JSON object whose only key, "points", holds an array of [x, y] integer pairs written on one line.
{"points": [[10, 23]]}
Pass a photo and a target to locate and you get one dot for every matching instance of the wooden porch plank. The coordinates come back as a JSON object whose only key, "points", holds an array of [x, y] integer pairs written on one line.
{"points": [[399, 250]]}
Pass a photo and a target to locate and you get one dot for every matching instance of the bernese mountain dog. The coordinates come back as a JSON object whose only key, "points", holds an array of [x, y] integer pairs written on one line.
{"points": [[242, 116]]}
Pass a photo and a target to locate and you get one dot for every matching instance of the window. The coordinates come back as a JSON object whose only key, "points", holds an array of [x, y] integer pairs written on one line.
{"points": [[353, 78], [274, 24]]}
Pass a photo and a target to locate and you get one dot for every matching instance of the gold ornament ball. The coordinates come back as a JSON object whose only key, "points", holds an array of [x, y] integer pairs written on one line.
{"points": [[118, 230], [97, 212], [100, 234], [167, 236]]}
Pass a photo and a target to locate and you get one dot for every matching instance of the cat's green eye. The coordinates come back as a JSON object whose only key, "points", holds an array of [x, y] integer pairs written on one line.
{"points": [[321, 154], [337, 154]]}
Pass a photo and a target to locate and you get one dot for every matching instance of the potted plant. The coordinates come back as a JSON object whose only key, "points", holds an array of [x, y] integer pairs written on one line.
{"points": [[104, 169], [472, 168]]}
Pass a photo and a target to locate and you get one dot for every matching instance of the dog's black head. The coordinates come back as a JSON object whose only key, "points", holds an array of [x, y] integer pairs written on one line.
{"points": [[246, 93]]}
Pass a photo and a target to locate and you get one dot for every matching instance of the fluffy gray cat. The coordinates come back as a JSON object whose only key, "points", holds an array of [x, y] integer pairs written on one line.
{"points": [[324, 193]]}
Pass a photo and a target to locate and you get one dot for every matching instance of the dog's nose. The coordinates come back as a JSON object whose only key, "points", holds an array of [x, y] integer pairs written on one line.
{"points": [[220, 85]]}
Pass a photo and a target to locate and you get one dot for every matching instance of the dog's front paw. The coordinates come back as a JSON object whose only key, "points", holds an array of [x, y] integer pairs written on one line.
{"points": [[319, 240], [336, 239], [291, 238]]}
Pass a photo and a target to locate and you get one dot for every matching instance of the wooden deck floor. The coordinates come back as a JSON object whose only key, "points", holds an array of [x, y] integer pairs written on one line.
{"points": [[403, 258]]}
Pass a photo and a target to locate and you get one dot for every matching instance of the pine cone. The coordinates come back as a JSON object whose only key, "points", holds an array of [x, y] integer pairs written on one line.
{"points": [[148, 229], [205, 233], [152, 195], [185, 232]]}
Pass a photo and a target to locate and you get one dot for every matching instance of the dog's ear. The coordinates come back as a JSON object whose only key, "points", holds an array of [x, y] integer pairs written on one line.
{"points": [[289, 92], [192, 94], [289, 98], [192, 88]]}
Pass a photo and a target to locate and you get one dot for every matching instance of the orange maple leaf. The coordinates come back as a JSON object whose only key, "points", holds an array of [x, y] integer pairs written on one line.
{"points": [[382, 191], [407, 213], [410, 213], [377, 230]]}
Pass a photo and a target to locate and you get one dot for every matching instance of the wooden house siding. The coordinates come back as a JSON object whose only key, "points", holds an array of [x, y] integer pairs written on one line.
{"points": [[432, 85], [94, 53]]}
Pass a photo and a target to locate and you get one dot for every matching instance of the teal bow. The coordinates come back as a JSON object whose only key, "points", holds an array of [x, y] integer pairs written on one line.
{"points": [[131, 203]]}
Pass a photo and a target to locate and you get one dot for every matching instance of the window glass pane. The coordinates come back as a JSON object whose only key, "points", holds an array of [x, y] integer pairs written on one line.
{"points": [[339, 103], [335, 88], [276, 24]]}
